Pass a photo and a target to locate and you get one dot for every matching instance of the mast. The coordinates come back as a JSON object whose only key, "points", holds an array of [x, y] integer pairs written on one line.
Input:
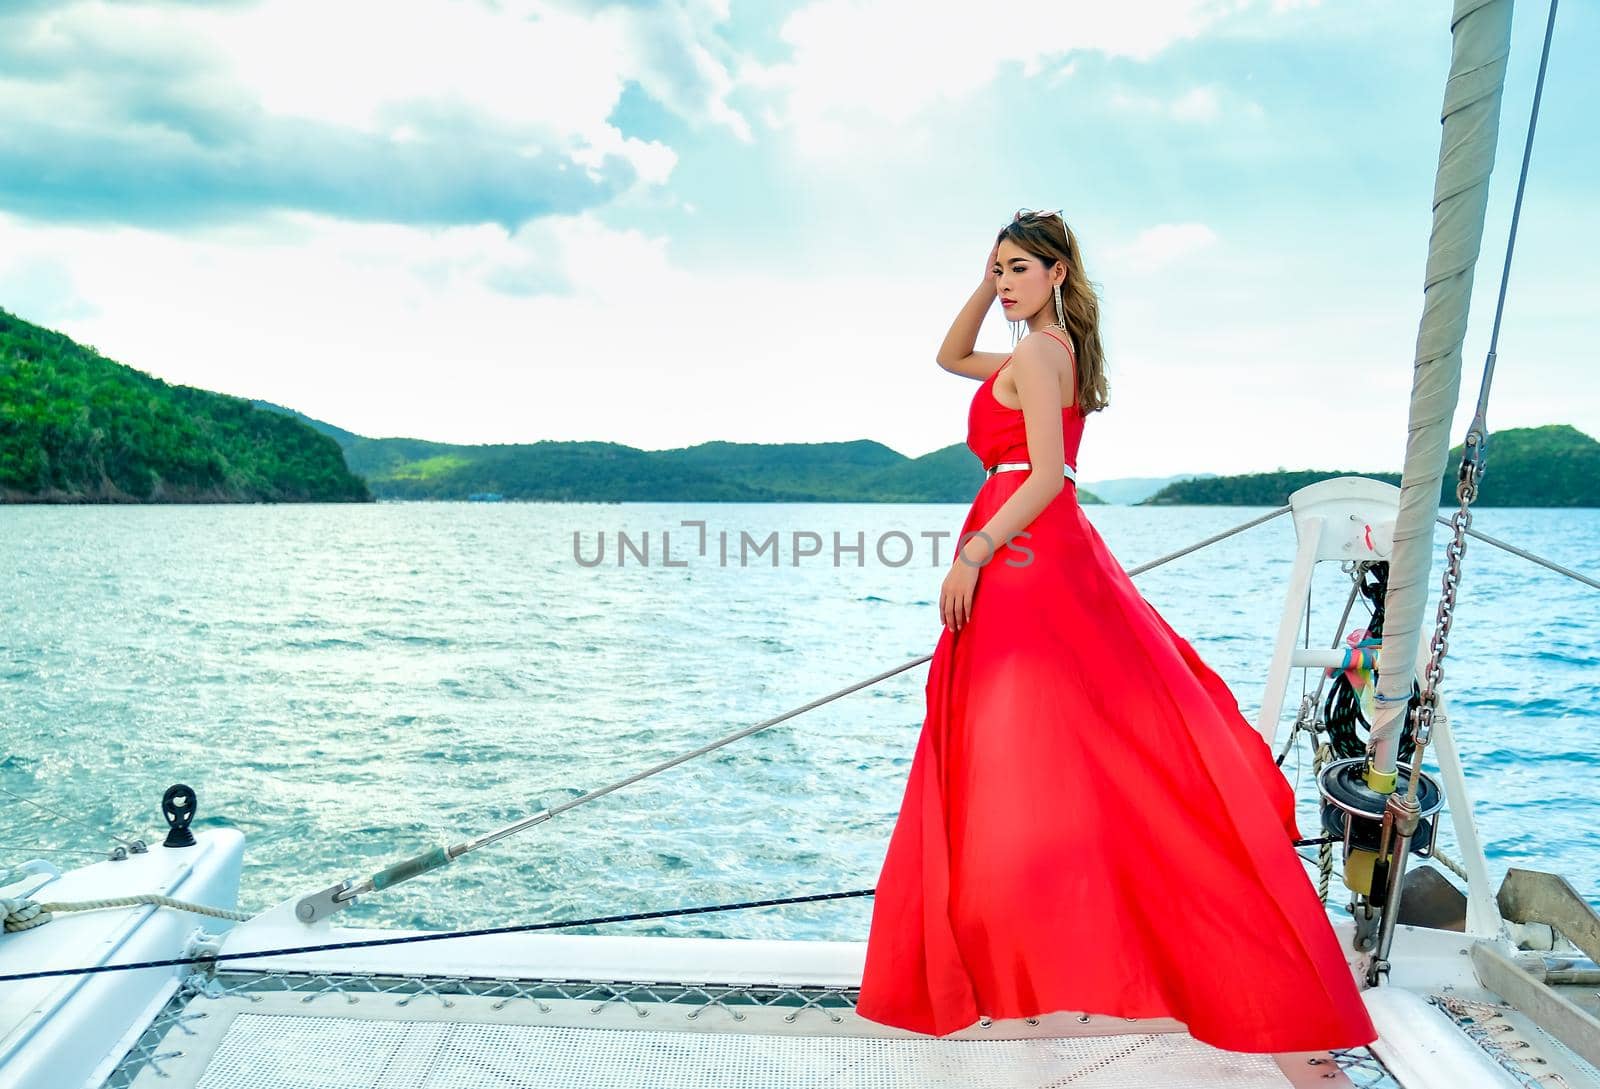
{"points": [[1481, 41]]}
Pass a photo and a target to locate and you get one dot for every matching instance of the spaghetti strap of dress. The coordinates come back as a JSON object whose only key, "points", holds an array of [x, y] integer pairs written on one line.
{"points": [[1067, 343]]}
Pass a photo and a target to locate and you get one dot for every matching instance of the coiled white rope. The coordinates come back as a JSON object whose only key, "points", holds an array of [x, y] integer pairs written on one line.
{"points": [[1323, 756], [1450, 864], [26, 914]]}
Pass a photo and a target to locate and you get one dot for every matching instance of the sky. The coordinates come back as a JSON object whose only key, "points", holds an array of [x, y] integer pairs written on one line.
{"points": [[662, 224]]}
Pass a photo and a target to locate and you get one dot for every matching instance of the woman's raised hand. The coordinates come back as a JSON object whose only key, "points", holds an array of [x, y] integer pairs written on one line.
{"points": [[988, 267]]}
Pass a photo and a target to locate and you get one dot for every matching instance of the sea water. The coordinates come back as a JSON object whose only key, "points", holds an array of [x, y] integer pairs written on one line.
{"points": [[350, 685]]}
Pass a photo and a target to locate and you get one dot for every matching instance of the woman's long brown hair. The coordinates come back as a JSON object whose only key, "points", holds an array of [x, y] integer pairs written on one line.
{"points": [[1049, 239]]}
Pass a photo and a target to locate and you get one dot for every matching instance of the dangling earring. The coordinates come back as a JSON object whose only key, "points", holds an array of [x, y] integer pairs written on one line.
{"points": [[1061, 314], [1016, 332]]}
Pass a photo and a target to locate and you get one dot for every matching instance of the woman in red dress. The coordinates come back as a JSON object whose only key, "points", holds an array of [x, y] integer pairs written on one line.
{"points": [[1089, 824]]}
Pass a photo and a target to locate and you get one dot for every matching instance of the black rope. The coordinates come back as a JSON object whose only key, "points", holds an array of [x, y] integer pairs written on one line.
{"points": [[411, 939], [1341, 714], [1317, 841]]}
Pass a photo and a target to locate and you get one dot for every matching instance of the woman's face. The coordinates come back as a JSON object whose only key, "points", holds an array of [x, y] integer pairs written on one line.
{"points": [[1023, 282]]}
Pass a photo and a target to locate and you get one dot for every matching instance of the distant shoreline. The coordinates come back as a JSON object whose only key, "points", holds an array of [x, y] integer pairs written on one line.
{"points": [[81, 429]]}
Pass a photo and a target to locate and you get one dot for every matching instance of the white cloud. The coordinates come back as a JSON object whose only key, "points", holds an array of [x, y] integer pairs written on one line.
{"points": [[1199, 104], [682, 62], [38, 283], [1205, 104], [515, 62], [1158, 247], [889, 60], [429, 111], [352, 62]]}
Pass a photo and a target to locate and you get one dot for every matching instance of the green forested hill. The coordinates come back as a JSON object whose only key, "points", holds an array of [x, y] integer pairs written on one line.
{"points": [[558, 471], [1552, 466], [77, 427], [1250, 489], [857, 472], [822, 470]]}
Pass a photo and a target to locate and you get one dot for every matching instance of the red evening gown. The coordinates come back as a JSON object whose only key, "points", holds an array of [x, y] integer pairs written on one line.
{"points": [[1090, 824]]}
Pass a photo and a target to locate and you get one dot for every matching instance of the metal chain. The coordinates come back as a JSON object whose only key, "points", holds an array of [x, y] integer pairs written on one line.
{"points": [[1439, 645]]}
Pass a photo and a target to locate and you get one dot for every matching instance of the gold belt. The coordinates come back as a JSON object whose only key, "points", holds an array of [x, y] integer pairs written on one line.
{"points": [[1006, 466]]}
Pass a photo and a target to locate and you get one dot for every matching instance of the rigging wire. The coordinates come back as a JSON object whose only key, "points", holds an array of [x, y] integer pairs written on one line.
{"points": [[24, 848], [1507, 546], [132, 845], [432, 936], [1476, 445]]}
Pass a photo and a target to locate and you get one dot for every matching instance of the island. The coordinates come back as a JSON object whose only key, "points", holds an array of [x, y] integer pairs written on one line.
{"points": [[76, 427], [1551, 466], [860, 471]]}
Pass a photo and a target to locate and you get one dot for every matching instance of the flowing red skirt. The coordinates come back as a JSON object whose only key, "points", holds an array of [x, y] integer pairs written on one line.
{"points": [[1091, 825]]}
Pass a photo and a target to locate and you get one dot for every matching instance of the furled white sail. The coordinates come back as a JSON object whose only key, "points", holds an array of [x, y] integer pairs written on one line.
{"points": [[1481, 36]]}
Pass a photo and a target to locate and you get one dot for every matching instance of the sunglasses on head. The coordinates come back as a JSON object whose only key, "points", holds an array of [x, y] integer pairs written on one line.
{"points": [[1027, 213]]}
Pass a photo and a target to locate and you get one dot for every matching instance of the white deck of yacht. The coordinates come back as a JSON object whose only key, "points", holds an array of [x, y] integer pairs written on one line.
{"points": [[259, 1036], [509, 1011]]}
